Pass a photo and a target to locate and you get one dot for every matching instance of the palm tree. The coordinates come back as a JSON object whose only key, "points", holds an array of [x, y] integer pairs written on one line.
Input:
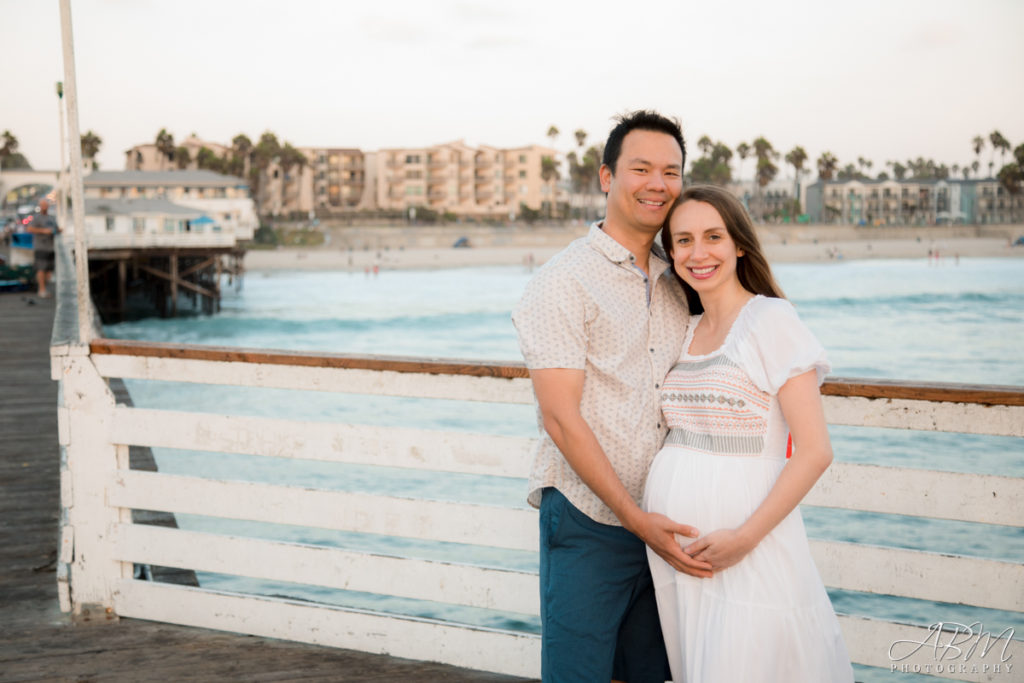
{"points": [[743, 150], [827, 165], [165, 145], [289, 158], [241, 150], [766, 169], [975, 165], [705, 145], [90, 143], [10, 157], [182, 157], [999, 143], [552, 134], [581, 137], [796, 158], [549, 174]]}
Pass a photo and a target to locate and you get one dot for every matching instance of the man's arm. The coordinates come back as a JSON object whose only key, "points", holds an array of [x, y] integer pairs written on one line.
{"points": [[559, 391]]}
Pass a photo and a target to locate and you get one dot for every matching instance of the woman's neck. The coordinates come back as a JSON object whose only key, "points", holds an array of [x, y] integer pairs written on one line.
{"points": [[723, 305]]}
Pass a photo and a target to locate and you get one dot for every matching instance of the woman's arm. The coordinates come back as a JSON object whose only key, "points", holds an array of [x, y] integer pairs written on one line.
{"points": [[801, 405]]}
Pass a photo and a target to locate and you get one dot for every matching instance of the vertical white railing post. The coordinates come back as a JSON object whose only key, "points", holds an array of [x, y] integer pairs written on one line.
{"points": [[77, 192], [92, 462]]}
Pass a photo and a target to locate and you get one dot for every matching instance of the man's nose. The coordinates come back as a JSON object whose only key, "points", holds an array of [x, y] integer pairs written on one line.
{"points": [[656, 181]]}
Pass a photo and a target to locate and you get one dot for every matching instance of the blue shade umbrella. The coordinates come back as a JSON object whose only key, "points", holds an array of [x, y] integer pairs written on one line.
{"points": [[203, 220]]}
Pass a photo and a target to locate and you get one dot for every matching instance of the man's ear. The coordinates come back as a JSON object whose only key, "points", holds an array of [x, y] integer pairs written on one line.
{"points": [[605, 174]]}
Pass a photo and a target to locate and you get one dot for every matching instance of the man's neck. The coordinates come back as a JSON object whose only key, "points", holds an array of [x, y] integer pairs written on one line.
{"points": [[638, 242]]}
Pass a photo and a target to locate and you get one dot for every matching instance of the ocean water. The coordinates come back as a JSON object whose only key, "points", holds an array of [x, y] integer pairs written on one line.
{"points": [[894, 319]]}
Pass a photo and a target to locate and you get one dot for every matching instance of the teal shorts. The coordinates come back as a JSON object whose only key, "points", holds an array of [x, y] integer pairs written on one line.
{"points": [[598, 613]]}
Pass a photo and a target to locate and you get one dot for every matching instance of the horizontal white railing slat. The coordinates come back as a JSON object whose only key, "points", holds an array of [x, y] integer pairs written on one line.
{"points": [[870, 642], [302, 378], [925, 416], [510, 591], [342, 511], [515, 654], [505, 456], [921, 493], [921, 575]]}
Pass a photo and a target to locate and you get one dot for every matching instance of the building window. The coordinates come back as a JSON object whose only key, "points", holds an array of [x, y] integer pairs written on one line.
{"points": [[412, 158], [110, 224], [522, 174], [170, 225], [522, 158], [138, 225]]}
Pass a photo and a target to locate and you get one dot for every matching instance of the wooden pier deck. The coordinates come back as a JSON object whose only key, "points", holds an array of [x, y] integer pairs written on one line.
{"points": [[38, 642]]}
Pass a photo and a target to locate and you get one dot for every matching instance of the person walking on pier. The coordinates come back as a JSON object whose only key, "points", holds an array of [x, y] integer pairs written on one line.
{"points": [[43, 228], [599, 326]]}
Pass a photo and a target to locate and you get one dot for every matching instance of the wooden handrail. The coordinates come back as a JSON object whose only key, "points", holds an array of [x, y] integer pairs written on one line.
{"points": [[984, 394]]}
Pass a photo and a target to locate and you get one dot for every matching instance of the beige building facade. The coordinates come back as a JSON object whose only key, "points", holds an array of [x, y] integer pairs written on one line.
{"points": [[450, 178]]}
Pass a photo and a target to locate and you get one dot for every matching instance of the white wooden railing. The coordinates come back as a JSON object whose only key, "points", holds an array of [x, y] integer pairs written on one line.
{"points": [[100, 544]]}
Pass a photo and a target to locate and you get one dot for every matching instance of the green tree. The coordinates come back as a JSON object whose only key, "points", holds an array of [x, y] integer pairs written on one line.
{"points": [[290, 158], [10, 157], [742, 151], [182, 157], [581, 137], [165, 145], [549, 174], [999, 143], [90, 144], [796, 158], [827, 165], [553, 134], [713, 166], [207, 159]]}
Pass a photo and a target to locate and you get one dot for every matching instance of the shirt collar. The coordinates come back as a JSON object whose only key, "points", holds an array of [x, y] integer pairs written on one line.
{"points": [[616, 253]]}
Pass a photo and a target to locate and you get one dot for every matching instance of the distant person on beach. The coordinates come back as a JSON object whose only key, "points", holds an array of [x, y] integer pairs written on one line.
{"points": [[43, 228], [747, 379], [600, 326]]}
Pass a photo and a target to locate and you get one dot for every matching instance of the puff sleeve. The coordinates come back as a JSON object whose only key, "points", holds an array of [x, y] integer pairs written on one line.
{"points": [[776, 345]]}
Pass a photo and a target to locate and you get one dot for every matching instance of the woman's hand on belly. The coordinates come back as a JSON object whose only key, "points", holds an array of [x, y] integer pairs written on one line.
{"points": [[721, 549]]}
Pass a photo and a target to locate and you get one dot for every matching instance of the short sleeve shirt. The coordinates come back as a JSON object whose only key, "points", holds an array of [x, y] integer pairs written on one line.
{"points": [[43, 242], [591, 308]]}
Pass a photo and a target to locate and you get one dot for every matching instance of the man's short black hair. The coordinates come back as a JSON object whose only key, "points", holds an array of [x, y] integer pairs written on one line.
{"points": [[642, 119]]}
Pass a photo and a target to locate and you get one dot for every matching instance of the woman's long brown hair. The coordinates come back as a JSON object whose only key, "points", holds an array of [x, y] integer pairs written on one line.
{"points": [[752, 268]]}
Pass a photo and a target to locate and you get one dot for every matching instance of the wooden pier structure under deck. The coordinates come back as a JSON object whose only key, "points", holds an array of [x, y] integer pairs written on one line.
{"points": [[38, 642], [159, 277]]}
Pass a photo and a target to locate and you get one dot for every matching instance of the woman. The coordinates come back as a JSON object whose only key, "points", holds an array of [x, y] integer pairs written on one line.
{"points": [[747, 379]]}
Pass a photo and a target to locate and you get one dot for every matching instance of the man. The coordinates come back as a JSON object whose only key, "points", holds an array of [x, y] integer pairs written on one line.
{"points": [[43, 228], [599, 326]]}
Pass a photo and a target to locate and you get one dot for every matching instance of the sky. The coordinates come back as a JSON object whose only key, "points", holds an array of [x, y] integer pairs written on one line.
{"points": [[882, 79]]}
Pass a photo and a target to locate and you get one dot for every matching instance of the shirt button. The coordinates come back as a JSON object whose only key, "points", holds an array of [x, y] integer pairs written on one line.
{"points": [[657, 386], [652, 350], [659, 425]]}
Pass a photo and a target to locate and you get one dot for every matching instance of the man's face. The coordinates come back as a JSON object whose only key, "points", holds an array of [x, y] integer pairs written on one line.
{"points": [[647, 179]]}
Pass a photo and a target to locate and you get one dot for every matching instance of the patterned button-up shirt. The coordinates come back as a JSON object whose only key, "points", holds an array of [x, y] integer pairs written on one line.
{"points": [[591, 308]]}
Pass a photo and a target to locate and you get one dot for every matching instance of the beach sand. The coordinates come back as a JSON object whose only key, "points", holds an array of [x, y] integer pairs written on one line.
{"points": [[806, 251]]}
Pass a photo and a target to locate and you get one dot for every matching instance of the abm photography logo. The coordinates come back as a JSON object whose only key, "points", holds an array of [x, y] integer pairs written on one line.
{"points": [[951, 648]]}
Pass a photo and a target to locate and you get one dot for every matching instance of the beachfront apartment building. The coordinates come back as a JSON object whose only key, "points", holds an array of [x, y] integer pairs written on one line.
{"points": [[912, 202], [221, 198], [449, 178], [466, 181], [340, 179]]}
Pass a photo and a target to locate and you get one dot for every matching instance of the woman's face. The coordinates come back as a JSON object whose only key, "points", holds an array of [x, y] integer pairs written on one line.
{"points": [[703, 252]]}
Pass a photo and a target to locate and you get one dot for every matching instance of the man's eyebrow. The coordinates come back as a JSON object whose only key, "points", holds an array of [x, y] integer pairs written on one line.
{"points": [[644, 162]]}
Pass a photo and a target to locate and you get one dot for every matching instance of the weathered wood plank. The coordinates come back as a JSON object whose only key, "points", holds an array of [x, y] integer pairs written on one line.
{"points": [[505, 652], [314, 378], [921, 493], [966, 418], [372, 514], [921, 575], [435, 450], [497, 589]]}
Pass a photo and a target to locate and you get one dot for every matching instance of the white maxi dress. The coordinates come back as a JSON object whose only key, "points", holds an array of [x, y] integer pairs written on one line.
{"points": [[767, 618]]}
